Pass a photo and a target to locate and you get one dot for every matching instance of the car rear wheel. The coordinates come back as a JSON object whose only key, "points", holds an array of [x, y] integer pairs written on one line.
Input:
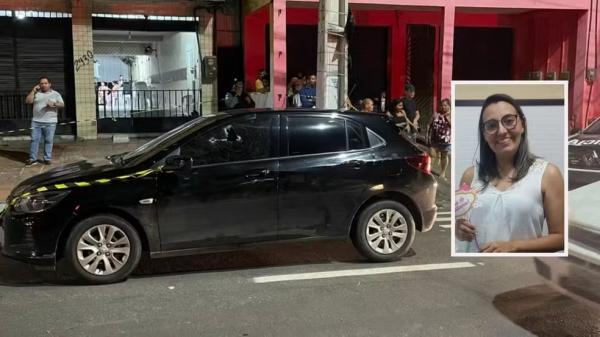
{"points": [[385, 231], [103, 249]]}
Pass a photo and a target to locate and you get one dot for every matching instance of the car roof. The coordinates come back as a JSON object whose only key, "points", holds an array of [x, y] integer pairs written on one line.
{"points": [[350, 113]]}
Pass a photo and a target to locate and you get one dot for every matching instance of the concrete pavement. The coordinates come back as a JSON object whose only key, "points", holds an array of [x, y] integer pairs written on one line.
{"points": [[14, 154]]}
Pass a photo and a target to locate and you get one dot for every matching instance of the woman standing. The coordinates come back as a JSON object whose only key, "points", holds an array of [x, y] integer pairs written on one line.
{"points": [[516, 193], [439, 135], [398, 115]]}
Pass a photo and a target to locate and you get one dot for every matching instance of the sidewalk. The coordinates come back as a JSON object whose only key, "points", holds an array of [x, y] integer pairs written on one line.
{"points": [[14, 154]]}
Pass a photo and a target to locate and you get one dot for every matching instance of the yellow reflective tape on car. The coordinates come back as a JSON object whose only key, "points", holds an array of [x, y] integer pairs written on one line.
{"points": [[143, 173], [63, 186]]}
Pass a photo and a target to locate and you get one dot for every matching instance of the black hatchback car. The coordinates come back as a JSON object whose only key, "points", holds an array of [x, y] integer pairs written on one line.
{"points": [[224, 182]]}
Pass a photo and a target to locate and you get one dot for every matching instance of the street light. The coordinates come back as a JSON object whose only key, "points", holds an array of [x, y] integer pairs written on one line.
{"points": [[20, 15]]}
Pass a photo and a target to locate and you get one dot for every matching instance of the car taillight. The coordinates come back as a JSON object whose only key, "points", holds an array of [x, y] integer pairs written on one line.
{"points": [[421, 162]]}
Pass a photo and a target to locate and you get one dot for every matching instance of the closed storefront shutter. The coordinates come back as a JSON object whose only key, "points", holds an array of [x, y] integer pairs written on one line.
{"points": [[7, 64], [41, 57], [28, 52]]}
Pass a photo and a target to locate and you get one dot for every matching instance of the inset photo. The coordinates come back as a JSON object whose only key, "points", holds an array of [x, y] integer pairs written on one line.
{"points": [[509, 168]]}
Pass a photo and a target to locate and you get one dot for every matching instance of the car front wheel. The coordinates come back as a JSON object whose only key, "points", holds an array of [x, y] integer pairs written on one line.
{"points": [[103, 249], [385, 231]]}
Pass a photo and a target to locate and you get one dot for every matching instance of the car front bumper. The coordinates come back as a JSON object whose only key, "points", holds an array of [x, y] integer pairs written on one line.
{"points": [[17, 240]]}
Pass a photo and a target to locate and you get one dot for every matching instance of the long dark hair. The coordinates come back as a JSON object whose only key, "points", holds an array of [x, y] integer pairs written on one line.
{"points": [[392, 107], [488, 165]]}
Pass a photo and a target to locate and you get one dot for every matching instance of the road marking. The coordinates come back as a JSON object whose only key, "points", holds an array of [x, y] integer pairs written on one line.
{"points": [[443, 219], [443, 213], [444, 226], [360, 272]]}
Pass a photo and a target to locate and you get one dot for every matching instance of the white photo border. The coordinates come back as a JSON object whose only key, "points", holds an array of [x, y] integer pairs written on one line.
{"points": [[565, 170]]}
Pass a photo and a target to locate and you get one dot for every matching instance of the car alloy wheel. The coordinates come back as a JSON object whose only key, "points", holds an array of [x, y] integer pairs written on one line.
{"points": [[386, 231], [103, 249]]}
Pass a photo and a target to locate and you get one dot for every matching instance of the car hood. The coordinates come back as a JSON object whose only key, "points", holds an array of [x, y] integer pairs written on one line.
{"points": [[78, 171]]}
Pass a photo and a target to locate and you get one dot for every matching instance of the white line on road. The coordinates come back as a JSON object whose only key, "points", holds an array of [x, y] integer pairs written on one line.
{"points": [[361, 272], [443, 213], [444, 226], [443, 219]]}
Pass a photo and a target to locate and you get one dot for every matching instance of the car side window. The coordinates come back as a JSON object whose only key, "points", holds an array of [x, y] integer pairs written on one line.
{"points": [[311, 135], [374, 139], [243, 138], [356, 136]]}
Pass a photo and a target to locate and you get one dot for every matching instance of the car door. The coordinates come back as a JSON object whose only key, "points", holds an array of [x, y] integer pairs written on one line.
{"points": [[325, 172], [227, 193]]}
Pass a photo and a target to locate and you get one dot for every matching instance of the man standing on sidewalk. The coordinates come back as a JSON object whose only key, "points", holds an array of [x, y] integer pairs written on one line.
{"points": [[46, 103], [412, 113]]}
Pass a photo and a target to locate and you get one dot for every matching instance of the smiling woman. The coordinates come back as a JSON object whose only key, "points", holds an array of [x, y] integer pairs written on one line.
{"points": [[513, 195]]}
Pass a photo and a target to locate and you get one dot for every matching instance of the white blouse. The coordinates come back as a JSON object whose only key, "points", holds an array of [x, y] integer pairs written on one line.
{"points": [[516, 213]]}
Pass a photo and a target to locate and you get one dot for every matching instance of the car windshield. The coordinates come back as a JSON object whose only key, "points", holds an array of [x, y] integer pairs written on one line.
{"points": [[593, 128], [165, 138]]}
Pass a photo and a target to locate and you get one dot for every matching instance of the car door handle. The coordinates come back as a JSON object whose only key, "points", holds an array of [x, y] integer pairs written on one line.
{"points": [[354, 163], [255, 174]]}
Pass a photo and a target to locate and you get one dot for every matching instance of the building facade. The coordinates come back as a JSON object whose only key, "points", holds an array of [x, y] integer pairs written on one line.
{"points": [[172, 60]]}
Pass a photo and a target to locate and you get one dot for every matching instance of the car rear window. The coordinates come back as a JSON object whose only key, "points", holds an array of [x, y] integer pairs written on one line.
{"points": [[310, 135]]}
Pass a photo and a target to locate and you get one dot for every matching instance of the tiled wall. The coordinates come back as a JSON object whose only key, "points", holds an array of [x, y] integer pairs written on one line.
{"points": [[85, 96]]}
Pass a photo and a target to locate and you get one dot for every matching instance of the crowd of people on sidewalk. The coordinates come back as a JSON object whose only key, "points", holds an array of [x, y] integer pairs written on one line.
{"points": [[403, 111]]}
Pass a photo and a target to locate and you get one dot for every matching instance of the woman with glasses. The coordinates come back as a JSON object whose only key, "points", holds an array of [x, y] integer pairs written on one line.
{"points": [[517, 194]]}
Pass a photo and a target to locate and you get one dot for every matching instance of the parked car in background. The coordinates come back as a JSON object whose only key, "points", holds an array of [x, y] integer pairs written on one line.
{"points": [[584, 156], [578, 274], [225, 182]]}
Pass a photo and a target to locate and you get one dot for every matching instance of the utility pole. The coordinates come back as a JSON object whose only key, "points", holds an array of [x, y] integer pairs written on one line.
{"points": [[332, 60]]}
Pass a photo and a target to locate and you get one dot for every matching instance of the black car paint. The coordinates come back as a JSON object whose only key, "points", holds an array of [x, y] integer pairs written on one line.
{"points": [[311, 196]]}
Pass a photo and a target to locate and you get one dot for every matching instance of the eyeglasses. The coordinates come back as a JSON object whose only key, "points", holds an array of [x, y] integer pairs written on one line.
{"points": [[508, 121]]}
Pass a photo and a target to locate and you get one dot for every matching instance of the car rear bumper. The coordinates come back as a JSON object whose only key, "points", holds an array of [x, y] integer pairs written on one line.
{"points": [[429, 217], [425, 198]]}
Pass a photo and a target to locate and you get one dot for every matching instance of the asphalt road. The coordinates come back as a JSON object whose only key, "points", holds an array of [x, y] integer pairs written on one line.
{"points": [[235, 294]]}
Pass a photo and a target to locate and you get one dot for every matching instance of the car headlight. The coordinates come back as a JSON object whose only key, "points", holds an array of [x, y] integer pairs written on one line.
{"points": [[39, 202]]}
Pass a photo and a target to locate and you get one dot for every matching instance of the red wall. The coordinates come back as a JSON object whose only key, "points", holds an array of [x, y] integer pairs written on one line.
{"points": [[254, 44], [544, 40], [395, 21]]}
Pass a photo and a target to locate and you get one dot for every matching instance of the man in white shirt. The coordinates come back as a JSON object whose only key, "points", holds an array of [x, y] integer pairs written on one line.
{"points": [[46, 103]]}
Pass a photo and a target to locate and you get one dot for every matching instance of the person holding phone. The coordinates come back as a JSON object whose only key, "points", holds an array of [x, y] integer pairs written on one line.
{"points": [[46, 103], [519, 203]]}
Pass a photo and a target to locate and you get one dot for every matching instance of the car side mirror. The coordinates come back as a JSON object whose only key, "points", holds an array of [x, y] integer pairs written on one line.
{"points": [[178, 163]]}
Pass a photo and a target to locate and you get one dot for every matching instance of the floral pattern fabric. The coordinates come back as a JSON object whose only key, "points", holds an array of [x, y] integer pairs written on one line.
{"points": [[440, 130]]}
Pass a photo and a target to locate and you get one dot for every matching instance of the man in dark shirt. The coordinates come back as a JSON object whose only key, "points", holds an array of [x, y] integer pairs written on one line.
{"points": [[308, 94], [410, 106]]}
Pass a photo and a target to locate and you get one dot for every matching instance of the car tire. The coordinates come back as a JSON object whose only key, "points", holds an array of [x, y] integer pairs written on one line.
{"points": [[384, 232], [103, 249]]}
